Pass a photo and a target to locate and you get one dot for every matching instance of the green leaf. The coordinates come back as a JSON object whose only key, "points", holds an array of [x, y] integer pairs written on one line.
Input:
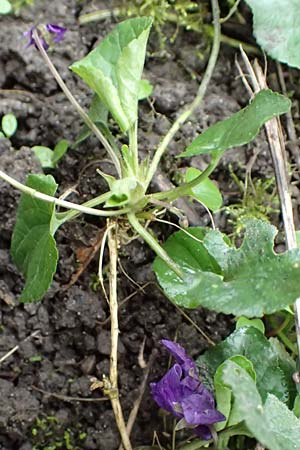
{"points": [[9, 124], [59, 151], [245, 322], [271, 423], [241, 127], [298, 238], [99, 115], [223, 393], [98, 112], [272, 364], [145, 89], [253, 280], [49, 158], [5, 7], [44, 155], [278, 31], [113, 70], [296, 407], [33, 246], [206, 192]]}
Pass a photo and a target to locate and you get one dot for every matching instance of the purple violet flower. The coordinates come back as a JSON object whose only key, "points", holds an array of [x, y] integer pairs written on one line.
{"points": [[48, 34], [59, 32], [181, 393]]}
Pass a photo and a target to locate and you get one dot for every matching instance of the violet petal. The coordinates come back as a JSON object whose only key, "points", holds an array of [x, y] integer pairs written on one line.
{"points": [[179, 353], [58, 31], [200, 410], [167, 392], [203, 432]]}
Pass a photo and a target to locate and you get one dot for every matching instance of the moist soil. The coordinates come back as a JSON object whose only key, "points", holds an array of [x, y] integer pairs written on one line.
{"points": [[63, 342]]}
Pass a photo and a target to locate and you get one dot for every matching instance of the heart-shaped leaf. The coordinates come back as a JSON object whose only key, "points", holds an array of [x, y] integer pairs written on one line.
{"points": [[272, 364], [253, 280], [113, 69], [241, 127], [33, 247]]}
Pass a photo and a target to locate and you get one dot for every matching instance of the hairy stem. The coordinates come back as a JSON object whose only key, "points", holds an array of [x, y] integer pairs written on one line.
{"points": [[58, 202], [76, 105], [196, 102], [113, 392], [152, 242]]}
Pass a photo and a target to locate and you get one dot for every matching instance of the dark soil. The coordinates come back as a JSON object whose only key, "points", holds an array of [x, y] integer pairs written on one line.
{"points": [[71, 342]]}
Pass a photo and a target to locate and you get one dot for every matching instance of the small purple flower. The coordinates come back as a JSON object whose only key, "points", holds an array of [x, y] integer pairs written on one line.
{"points": [[181, 393], [59, 32], [48, 34]]}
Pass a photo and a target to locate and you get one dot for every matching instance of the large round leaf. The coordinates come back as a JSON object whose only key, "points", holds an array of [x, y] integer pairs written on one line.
{"points": [[253, 280]]}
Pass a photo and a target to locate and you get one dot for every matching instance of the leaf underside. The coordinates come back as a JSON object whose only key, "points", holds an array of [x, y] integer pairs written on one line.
{"points": [[278, 32]]}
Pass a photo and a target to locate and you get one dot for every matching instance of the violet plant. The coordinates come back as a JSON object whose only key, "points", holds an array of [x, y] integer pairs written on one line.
{"points": [[196, 266]]}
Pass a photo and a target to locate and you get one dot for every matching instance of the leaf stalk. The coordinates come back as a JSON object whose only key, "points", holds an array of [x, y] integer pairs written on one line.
{"points": [[199, 97]]}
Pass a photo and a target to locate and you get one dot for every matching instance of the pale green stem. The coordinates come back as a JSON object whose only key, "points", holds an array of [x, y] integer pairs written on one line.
{"points": [[76, 105], [152, 242], [196, 102], [57, 201], [133, 146], [100, 14], [231, 12], [65, 216], [184, 189]]}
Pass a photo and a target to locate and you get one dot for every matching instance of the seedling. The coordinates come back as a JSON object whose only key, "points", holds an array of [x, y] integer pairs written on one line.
{"points": [[9, 125], [50, 158]]}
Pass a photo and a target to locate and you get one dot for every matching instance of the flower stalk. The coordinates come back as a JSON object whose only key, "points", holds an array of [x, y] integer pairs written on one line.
{"points": [[76, 105]]}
